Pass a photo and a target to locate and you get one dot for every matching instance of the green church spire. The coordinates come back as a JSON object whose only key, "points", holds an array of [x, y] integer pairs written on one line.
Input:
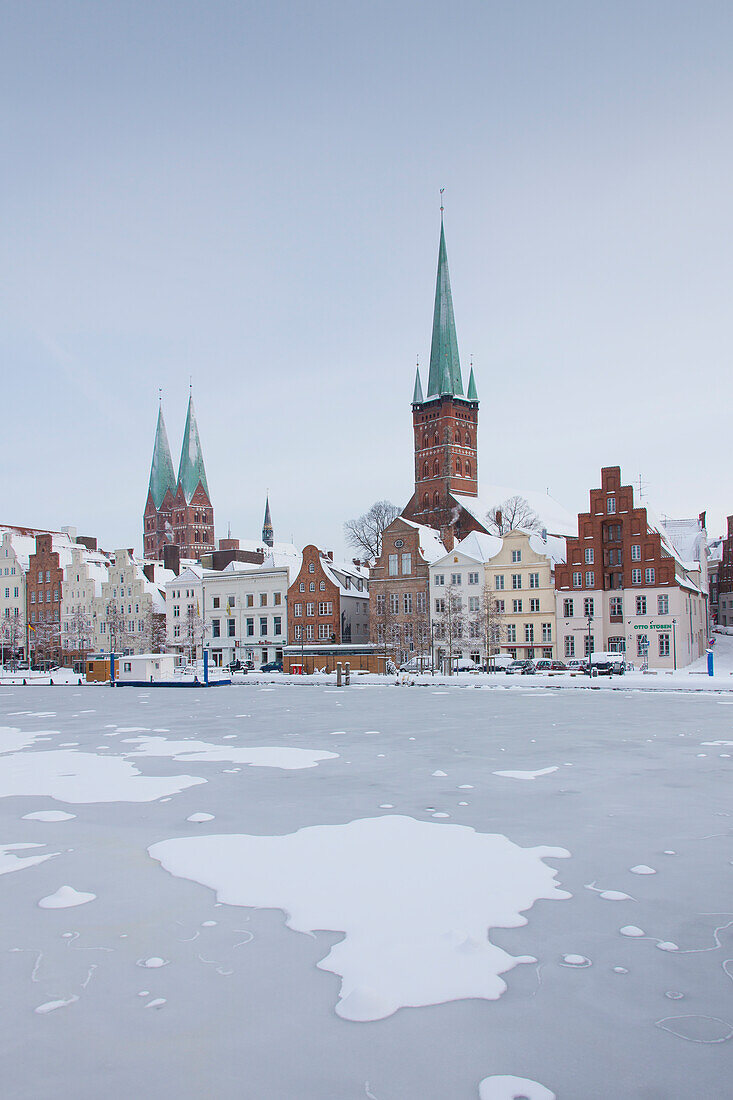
{"points": [[162, 477], [472, 395], [417, 397], [191, 469], [444, 361]]}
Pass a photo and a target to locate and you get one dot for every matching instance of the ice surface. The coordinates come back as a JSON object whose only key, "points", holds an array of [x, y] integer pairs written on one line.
{"points": [[286, 758], [513, 1088], [83, 777], [410, 939], [10, 862], [66, 897]]}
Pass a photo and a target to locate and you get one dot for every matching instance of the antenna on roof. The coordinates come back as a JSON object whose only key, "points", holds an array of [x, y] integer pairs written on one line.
{"points": [[642, 486]]}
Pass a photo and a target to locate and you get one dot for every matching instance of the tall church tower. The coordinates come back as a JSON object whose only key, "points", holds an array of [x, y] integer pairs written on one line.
{"points": [[193, 512], [268, 536], [445, 423], [157, 518]]}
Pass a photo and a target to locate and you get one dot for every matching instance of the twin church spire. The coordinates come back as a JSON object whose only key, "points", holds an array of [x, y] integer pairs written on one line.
{"points": [[191, 470]]}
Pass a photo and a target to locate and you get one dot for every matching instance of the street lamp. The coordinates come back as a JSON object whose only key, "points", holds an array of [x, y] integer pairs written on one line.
{"points": [[589, 617], [674, 642]]}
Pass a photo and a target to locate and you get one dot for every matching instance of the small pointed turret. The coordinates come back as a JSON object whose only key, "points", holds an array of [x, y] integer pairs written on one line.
{"points": [[191, 470], [417, 397], [162, 477], [444, 359], [267, 533], [472, 395]]}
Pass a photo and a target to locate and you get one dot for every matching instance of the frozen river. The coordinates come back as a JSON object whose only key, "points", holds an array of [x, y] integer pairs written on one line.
{"points": [[303, 893]]}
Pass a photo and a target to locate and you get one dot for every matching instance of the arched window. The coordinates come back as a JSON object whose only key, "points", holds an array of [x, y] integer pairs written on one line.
{"points": [[425, 440], [424, 469], [468, 440], [311, 567], [436, 439], [426, 500], [436, 467], [436, 497], [468, 468], [458, 465], [457, 437]]}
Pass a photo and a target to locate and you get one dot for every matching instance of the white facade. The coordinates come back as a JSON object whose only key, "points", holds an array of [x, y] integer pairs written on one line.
{"points": [[145, 666], [123, 611], [82, 587]]}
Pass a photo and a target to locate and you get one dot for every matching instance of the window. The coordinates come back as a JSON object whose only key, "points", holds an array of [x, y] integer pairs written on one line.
{"points": [[516, 555], [215, 628], [310, 609], [663, 645], [263, 599], [439, 606], [516, 580], [297, 610], [641, 605], [33, 597], [473, 603], [301, 588], [312, 586], [616, 607], [394, 603], [393, 565], [231, 628], [649, 576], [589, 644], [590, 579], [636, 576], [407, 564], [298, 633], [251, 598], [277, 625], [407, 603], [588, 606], [311, 567], [215, 601], [177, 630], [529, 632], [325, 607], [251, 628], [499, 582], [499, 606], [611, 505], [636, 552], [473, 578], [309, 633], [617, 645], [569, 645], [589, 555], [277, 596], [439, 579], [511, 632], [456, 578], [380, 603], [577, 580], [642, 645], [48, 576], [324, 632], [517, 607], [662, 605], [263, 626], [534, 580], [547, 632], [534, 604], [421, 603]]}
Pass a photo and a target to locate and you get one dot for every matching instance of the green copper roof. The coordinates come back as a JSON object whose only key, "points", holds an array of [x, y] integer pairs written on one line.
{"points": [[472, 395], [267, 533], [191, 469], [445, 367], [162, 477], [417, 397]]}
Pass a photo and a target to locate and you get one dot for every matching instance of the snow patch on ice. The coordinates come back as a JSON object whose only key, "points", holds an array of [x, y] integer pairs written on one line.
{"points": [[525, 775], [10, 862], [80, 777], [410, 940], [200, 817], [505, 1087], [153, 963], [51, 1006], [642, 869], [65, 898], [631, 930], [13, 739], [285, 758]]}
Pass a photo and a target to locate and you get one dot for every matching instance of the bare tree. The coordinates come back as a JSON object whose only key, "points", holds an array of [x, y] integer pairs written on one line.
{"points": [[488, 622], [155, 631], [383, 622], [193, 631], [45, 640], [365, 533], [12, 638], [116, 626], [511, 514], [80, 631], [450, 621]]}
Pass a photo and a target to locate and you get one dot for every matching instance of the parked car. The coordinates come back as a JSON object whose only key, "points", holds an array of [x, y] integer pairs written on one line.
{"points": [[272, 666], [542, 664], [558, 666], [576, 665], [418, 663], [521, 668]]}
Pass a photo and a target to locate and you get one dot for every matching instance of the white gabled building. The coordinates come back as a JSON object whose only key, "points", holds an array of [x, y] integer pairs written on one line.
{"points": [[130, 608], [84, 575]]}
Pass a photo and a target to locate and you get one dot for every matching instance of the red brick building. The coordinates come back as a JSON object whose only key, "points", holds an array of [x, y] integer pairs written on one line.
{"points": [[44, 583], [178, 512], [328, 602], [445, 427]]}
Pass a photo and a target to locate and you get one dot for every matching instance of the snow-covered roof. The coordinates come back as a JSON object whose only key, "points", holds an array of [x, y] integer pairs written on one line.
{"points": [[288, 548], [478, 546], [339, 572], [553, 517], [553, 547], [429, 542], [687, 536], [715, 550]]}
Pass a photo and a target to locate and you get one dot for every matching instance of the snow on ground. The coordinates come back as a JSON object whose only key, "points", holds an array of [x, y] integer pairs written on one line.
{"points": [[288, 912]]}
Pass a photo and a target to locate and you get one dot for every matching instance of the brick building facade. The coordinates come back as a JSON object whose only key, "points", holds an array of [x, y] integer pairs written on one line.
{"points": [[44, 584], [328, 602]]}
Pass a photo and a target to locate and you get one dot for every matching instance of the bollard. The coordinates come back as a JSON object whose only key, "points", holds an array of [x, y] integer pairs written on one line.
{"points": [[348, 673], [24, 684], [710, 662], [50, 683], [338, 674]]}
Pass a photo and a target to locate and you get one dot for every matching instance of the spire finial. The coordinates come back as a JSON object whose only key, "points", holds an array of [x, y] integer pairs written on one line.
{"points": [[190, 385], [441, 202], [160, 397]]}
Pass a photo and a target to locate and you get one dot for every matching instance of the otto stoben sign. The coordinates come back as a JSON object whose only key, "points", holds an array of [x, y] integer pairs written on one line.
{"points": [[653, 626]]}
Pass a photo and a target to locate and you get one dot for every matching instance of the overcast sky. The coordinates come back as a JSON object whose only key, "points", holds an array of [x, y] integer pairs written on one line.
{"points": [[248, 194]]}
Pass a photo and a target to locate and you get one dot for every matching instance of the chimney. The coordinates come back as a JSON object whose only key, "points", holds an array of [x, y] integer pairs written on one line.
{"points": [[329, 555], [447, 537], [701, 520], [229, 544], [498, 518], [356, 562], [172, 557], [88, 541], [149, 570], [70, 531]]}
